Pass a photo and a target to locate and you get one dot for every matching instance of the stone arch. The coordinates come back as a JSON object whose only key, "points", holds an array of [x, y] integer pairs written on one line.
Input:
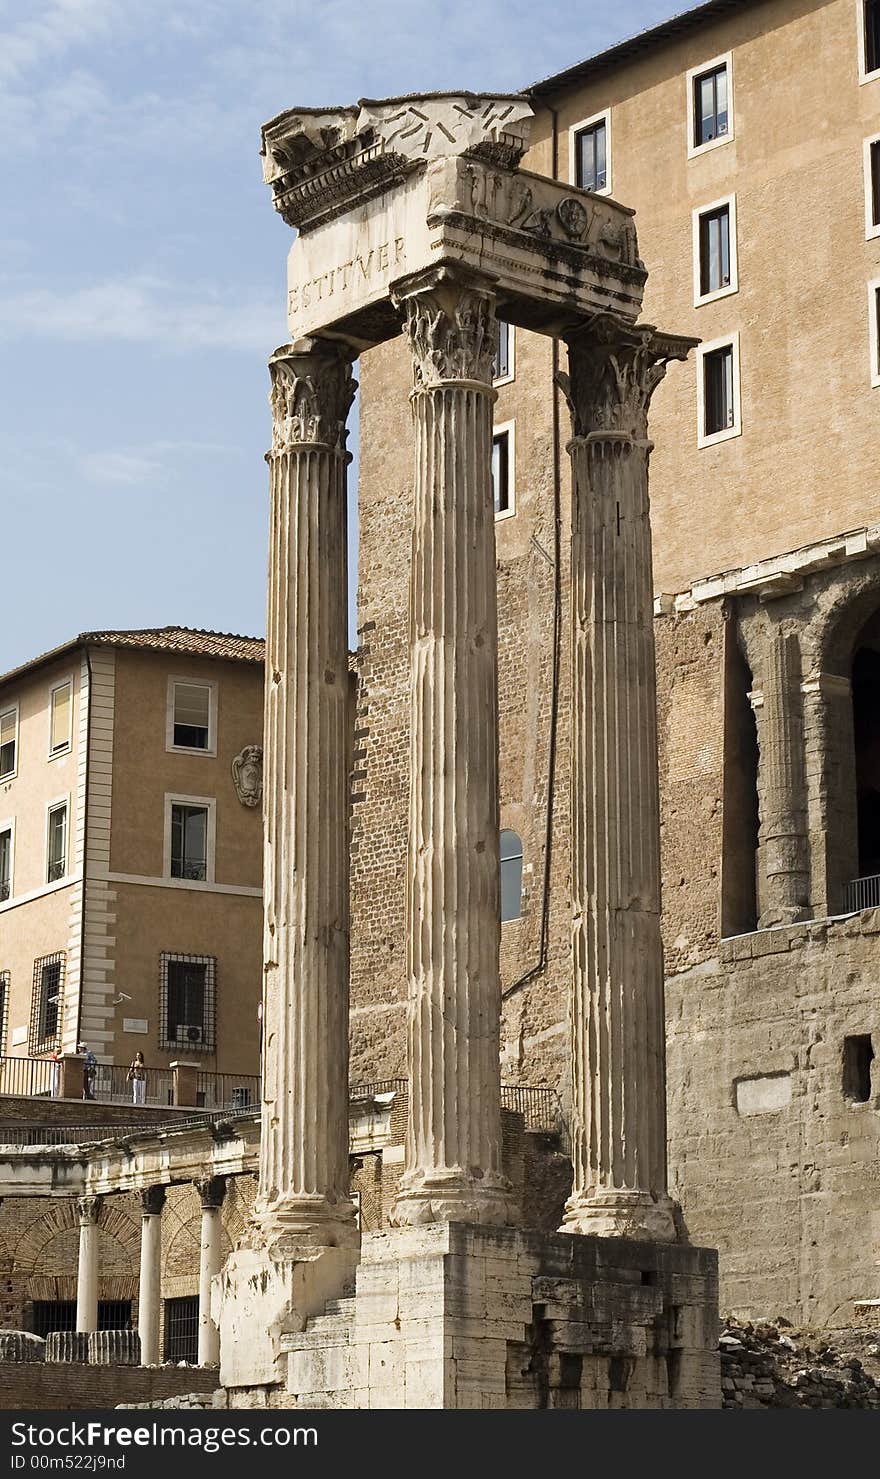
{"points": [[59, 1225], [851, 597]]}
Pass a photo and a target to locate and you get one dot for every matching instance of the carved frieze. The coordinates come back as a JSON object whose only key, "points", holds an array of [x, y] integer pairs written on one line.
{"points": [[247, 775], [613, 373], [311, 394], [453, 333], [528, 203]]}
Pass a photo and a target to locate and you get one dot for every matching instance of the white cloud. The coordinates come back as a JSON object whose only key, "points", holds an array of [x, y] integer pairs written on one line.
{"points": [[114, 468], [140, 310]]}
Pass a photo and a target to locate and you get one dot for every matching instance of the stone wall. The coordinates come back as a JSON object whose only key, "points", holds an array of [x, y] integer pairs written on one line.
{"points": [[70, 1386]]}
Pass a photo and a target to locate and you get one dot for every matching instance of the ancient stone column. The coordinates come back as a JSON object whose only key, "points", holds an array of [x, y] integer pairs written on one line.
{"points": [[616, 1006], [452, 1157], [782, 793], [303, 1190], [149, 1289], [211, 1192], [88, 1210]]}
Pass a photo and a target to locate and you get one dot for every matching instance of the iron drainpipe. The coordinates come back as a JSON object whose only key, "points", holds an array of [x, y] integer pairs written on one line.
{"points": [[541, 964]]}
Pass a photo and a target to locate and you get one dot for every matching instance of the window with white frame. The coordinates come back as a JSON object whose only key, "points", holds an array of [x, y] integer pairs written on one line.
{"points": [[502, 370], [192, 716], [60, 718], [868, 12], [872, 186], [511, 851], [48, 993], [190, 838], [502, 471], [710, 104], [6, 845], [874, 329], [187, 989], [590, 154], [8, 742], [56, 842], [715, 269], [718, 391]]}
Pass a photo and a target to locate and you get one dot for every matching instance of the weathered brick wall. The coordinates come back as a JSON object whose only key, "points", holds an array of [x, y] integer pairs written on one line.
{"points": [[70, 1386]]}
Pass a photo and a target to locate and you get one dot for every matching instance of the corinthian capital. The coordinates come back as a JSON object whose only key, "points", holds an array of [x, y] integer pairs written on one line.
{"points": [[311, 394], [614, 370], [88, 1210], [452, 329]]}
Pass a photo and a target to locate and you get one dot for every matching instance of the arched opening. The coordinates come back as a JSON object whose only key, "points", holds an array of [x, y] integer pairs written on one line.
{"points": [[511, 875], [865, 891], [739, 894]]}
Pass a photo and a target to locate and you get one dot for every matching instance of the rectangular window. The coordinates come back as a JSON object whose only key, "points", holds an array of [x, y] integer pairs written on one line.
{"points": [[8, 742], [5, 864], [591, 156], [858, 1055], [710, 105], [189, 842], [182, 1329], [186, 1001], [872, 187], [56, 852], [192, 716], [874, 329], [503, 367], [871, 28], [501, 488], [46, 1002], [59, 718], [718, 391], [714, 250]]}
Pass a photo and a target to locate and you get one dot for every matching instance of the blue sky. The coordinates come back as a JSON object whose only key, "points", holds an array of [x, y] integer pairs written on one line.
{"points": [[142, 274]]}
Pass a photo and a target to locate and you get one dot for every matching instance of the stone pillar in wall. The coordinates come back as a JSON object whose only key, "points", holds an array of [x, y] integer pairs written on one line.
{"points": [[88, 1210], [452, 1157], [303, 1192], [782, 833], [616, 1014], [829, 763], [149, 1290], [211, 1192]]}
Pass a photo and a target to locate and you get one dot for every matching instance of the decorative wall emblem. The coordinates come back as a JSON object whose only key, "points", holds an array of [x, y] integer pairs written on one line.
{"points": [[247, 774]]}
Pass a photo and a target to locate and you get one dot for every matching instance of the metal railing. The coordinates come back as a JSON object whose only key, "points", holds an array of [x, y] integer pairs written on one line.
{"points": [[377, 1086], [862, 893], [540, 1108], [112, 1086], [227, 1090], [29, 1078]]}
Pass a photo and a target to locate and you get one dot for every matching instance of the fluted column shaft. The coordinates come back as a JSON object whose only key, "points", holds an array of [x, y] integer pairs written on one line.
{"points": [[88, 1212], [149, 1288], [211, 1193], [616, 1006], [782, 786], [452, 1164], [304, 1187]]}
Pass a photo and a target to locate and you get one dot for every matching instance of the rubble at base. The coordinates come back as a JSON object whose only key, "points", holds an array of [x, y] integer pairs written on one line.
{"points": [[770, 1364]]}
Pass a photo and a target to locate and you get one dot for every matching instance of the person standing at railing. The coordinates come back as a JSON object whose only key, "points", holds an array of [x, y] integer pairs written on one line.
{"points": [[137, 1077]]}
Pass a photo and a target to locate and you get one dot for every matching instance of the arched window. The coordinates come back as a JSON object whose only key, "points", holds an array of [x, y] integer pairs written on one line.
{"points": [[511, 875]]}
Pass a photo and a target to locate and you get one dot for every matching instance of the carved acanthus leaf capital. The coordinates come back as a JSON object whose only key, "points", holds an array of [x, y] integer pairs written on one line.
{"points": [[311, 394], [453, 331], [88, 1210], [211, 1190], [614, 370]]}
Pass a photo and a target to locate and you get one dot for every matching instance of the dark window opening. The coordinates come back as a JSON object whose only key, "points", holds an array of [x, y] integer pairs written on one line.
{"points": [[186, 990], [182, 1329], [715, 250], [739, 841], [501, 472], [710, 105], [5, 864], [718, 402], [57, 848], [591, 157], [192, 710], [866, 734], [189, 842], [46, 1003], [49, 1315], [858, 1055], [874, 178], [501, 368], [511, 875], [8, 725], [872, 35]]}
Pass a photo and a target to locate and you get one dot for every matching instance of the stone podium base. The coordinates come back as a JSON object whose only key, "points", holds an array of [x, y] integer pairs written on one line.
{"points": [[455, 1315]]}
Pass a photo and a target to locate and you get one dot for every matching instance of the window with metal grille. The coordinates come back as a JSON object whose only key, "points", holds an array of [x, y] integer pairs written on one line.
{"points": [[8, 742], [192, 716], [59, 718], [591, 156], [872, 35], [511, 850], [501, 472], [48, 993], [189, 841], [502, 367], [182, 1329], [710, 105], [52, 1314], [715, 250], [5, 987], [187, 1001], [56, 866], [5, 864], [114, 1314], [718, 383]]}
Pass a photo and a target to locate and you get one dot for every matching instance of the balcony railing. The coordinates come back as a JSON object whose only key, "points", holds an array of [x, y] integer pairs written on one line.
{"points": [[862, 893], [28, 1078], [227, 1090]]}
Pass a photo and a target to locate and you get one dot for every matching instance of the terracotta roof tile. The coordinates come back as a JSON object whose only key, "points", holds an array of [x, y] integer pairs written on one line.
{"points": [[188, 640]]}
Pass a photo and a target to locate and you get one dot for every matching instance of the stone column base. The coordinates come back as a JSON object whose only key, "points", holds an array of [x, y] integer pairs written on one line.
{"points": [[264, 1292], [454, 1196], [462, 1316], [621, 1214]]}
